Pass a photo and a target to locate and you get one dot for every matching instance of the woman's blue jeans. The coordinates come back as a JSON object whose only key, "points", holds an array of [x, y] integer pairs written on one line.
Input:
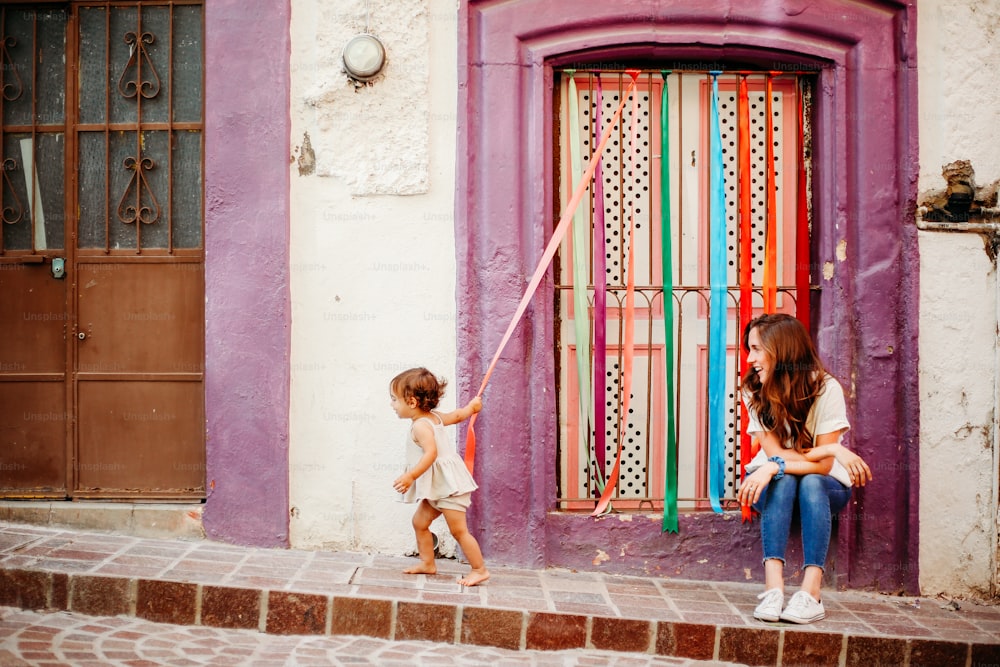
{"points": [[819, 497]]}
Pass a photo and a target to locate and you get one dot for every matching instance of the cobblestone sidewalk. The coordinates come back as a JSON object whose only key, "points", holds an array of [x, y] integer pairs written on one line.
{"points": [[63, 638]]}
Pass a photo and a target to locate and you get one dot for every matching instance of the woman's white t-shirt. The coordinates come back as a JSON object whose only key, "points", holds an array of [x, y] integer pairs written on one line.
{"points": [[828, 414]]}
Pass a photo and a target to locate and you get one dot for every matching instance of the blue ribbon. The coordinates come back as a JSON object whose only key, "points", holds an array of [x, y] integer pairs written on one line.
{"points": [[717, 311]]}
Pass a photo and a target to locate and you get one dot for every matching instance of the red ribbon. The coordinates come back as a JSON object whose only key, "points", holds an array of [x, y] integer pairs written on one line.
{"points": [[746, 265], [802, 226]]}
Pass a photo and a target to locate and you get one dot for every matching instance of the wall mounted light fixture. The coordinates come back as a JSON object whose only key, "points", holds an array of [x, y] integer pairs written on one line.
{"points": [[364, 57]]}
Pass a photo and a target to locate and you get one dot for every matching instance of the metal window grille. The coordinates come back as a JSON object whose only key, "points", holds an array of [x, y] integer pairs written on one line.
{"points": [[32, 93], [140, 128], [136, 115], [630, 185]]}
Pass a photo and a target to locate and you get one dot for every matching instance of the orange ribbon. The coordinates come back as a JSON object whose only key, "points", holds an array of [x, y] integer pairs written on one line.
{"points": [[771, 231]]}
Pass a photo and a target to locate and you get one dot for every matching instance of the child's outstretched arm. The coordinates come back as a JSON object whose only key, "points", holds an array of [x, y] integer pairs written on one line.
{"points": [[460, 415], [423, 435]]}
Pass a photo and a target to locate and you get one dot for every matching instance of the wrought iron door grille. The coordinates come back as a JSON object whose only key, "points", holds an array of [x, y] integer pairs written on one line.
{"points": [[140, 129], [32, 106]]}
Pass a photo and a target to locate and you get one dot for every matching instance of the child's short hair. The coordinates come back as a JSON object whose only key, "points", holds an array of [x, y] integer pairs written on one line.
{"points": [[421, 384]]}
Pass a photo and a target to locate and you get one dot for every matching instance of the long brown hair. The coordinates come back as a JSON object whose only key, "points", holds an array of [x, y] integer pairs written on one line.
{"points": [[783, 400]]}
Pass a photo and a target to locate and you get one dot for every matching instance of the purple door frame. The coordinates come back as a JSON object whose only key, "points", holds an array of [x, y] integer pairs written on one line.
{"points": [[864, 316], [247, 307]]}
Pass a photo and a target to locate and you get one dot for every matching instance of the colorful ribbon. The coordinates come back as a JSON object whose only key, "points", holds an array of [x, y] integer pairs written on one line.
{"points": [[771, 231], [581, 311], [667, 264], [628, 339], [543, 264], [717, 310], [745, 265], [600, 301], [802, 226]]}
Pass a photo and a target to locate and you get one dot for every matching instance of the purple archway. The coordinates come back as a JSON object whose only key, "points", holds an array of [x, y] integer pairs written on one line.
{"points": [[865, 315]]}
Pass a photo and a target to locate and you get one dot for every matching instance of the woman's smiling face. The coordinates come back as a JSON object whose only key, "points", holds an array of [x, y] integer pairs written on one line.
{"points": [[758, 357]]}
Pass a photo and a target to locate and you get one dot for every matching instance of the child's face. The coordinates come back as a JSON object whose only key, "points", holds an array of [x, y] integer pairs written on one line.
{"points": [[402, 409]]}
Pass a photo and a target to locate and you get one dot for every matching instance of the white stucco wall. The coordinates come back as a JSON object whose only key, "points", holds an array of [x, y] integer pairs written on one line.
{"points": [[959, 92], [372, 259]]}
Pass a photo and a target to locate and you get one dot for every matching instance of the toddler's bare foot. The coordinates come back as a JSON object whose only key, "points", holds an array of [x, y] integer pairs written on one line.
{"points": [[423, 568], [475, 577]]}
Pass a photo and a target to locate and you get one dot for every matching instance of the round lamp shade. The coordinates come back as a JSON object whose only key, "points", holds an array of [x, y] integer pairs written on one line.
{"points": [[364, 57]]}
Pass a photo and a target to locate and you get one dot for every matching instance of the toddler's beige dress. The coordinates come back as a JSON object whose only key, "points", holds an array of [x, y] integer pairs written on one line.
{"points": [[447, 484]]}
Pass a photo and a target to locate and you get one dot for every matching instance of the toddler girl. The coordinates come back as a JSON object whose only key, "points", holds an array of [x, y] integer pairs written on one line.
{"points": [[436, 476]]}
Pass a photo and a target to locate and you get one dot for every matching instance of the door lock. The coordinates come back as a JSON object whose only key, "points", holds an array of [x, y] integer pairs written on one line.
{"points": [[58, 267], [81, 335]]}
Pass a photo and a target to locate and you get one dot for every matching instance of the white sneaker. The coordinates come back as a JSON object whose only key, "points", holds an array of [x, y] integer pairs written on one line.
{"points": [[803, 608], [769, 608]]}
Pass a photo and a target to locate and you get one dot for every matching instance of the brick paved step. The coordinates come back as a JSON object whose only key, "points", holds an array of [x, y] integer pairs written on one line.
{"points": [[292, 592]]}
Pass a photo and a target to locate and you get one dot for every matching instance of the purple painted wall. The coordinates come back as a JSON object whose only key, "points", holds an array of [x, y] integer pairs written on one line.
{"points": [[247, 305], [865, 317]]}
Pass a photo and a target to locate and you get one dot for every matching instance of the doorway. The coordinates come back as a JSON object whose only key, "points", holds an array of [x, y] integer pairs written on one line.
{"points": [[101, 251]]}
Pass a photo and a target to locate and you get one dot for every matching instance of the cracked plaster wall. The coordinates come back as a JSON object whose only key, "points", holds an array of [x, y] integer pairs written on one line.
{"points": [[959, 54], [372, 259]]}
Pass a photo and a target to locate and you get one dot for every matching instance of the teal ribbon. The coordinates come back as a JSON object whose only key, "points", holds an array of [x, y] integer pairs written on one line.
{"points": [[717, 310], [667, 263]]}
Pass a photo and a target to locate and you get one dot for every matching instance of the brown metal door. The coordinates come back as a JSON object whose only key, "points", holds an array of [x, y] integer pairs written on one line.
{"points": [[122, 386]]}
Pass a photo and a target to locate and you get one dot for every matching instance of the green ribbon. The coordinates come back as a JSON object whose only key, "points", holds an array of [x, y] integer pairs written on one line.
{"points": [[581, 264], [666, 257]]}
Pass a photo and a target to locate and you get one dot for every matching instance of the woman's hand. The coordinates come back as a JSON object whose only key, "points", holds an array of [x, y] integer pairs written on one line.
{"points": [[755, 483], [856, 467], [859, 471]]}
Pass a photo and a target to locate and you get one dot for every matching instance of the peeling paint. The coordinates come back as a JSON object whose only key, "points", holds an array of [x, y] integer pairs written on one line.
{"points": [[307, 156], [625, 517], [601, 557], [842, 250], [827, 270]]}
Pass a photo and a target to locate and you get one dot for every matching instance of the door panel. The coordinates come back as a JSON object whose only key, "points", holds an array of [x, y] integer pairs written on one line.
{"points": [[148, 431], [140, 318], [33, 427], [33, 313], [33, 439]]}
